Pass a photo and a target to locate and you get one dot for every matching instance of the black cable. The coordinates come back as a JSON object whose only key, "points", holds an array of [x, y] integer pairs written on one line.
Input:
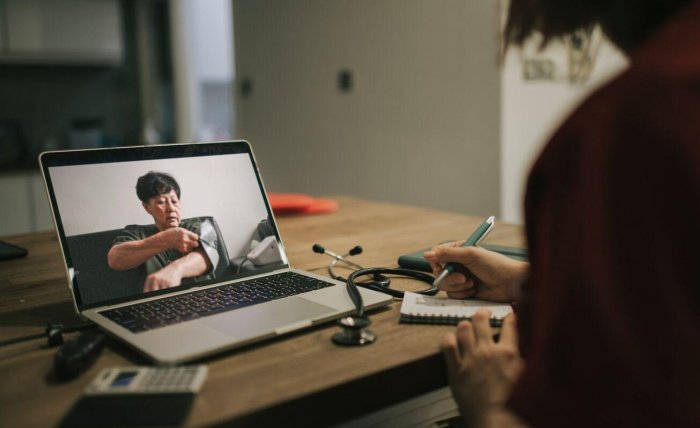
{"points": [[53, 333]]}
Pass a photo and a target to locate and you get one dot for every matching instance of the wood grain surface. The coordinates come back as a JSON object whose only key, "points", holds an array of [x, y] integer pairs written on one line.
{"points": [[301, 378]]}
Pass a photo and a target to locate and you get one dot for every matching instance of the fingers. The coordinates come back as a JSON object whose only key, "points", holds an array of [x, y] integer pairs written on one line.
{"points": [[450, 349], [188, 241], [188, 235], [191, 235], [457, 285], [150, 284], [456, 281], [439, 256], [448, 244], [482, 325], [509, 332], [431, 255], [461, 347], [182, 233], [461, 294], [462, 255], [190, 245], [154, 282], [466, 338]]}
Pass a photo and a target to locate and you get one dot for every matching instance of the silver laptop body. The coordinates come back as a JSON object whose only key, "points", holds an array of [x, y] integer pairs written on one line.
{"points": [[93, 199]]}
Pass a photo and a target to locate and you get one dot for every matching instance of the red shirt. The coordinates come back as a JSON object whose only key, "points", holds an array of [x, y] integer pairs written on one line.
{"points": [[610, 330]]}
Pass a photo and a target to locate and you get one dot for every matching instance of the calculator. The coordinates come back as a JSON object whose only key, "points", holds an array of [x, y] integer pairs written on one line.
{"points": [[148, 380]]}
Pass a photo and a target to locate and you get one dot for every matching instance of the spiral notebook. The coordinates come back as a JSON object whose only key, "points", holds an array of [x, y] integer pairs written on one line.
{"points": [[417, 308]]}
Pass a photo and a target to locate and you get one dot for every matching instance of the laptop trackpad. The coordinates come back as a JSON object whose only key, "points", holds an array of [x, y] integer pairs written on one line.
{"points": [[278, 316]]}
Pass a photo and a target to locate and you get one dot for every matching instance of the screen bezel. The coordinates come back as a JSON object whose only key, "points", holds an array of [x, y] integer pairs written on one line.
{"points": [[136, 153]]}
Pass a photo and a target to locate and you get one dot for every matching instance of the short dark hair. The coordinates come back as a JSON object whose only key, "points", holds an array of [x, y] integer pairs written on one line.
{"points": [[154, 183], [625, 22]]}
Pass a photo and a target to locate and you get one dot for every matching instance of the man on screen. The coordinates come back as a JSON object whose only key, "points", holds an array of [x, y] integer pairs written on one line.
{"points": [[170, 249]]}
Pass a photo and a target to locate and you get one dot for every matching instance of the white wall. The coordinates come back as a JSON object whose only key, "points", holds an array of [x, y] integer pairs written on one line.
{"points": [[93, 198], [433, 120], [421, 124], [531, 110]]}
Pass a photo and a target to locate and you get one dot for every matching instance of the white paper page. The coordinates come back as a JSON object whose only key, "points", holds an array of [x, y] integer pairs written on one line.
{"points": [[420, 305]]}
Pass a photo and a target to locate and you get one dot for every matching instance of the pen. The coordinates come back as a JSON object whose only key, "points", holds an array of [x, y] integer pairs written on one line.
{"points": [[476, 237]]}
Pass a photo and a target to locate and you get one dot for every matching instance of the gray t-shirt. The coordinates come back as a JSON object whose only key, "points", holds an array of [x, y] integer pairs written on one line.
{"points": [[136, 232]]}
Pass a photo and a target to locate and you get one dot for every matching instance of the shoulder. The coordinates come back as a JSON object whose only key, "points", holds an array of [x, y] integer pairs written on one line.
{"points": [[643, 122], [640, 109], [658, 94], [147, 229], [644, 110], [135, 232]]}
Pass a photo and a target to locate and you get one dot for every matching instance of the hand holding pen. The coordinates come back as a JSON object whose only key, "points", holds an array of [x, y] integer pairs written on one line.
{"points": [[483, 274], [473, 240]]}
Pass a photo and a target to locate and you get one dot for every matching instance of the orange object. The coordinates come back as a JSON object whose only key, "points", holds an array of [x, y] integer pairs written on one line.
{"points": [[299, 203], [322, 206]]}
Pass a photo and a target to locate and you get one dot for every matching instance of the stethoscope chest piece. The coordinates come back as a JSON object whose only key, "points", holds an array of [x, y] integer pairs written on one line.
{"points": [[354, 332]]}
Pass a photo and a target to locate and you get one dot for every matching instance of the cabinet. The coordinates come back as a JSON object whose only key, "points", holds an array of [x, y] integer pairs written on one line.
{"points": [[61, 31], [25, 206], [3, 25]]}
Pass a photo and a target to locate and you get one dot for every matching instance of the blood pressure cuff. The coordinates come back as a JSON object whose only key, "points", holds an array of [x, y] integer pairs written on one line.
{"points": [[210, 242]]}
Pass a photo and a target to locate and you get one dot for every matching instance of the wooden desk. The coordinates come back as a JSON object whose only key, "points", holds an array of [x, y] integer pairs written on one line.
{"points": [[302, 377]]}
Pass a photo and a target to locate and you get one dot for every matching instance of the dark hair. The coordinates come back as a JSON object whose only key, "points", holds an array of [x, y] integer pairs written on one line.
{"points": [[625, 22], [154, 184]]}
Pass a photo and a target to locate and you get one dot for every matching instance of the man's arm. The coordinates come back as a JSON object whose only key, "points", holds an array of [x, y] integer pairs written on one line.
{"points": [[128, 255], [192, 265]]}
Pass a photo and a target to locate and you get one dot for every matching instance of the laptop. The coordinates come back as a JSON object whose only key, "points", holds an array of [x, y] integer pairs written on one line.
{"points": [[174, 250]]}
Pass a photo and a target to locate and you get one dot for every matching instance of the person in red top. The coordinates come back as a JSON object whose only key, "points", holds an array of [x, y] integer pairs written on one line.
{"points": [[608, 310]]}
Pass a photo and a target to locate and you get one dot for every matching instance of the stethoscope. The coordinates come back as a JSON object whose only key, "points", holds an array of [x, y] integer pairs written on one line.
{"points": [[354, 330]]}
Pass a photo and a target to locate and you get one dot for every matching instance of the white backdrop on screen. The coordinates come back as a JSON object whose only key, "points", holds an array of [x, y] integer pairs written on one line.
{"points": [[97, 197]]}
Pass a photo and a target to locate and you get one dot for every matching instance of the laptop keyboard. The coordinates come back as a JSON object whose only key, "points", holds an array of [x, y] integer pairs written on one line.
{"points": [[172, 310]]}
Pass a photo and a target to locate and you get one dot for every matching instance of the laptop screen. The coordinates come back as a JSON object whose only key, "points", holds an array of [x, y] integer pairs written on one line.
{"points": [[156, 219]]}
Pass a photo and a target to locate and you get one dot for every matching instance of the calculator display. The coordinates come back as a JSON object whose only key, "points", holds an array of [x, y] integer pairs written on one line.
{"points": [[124, 378]]}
